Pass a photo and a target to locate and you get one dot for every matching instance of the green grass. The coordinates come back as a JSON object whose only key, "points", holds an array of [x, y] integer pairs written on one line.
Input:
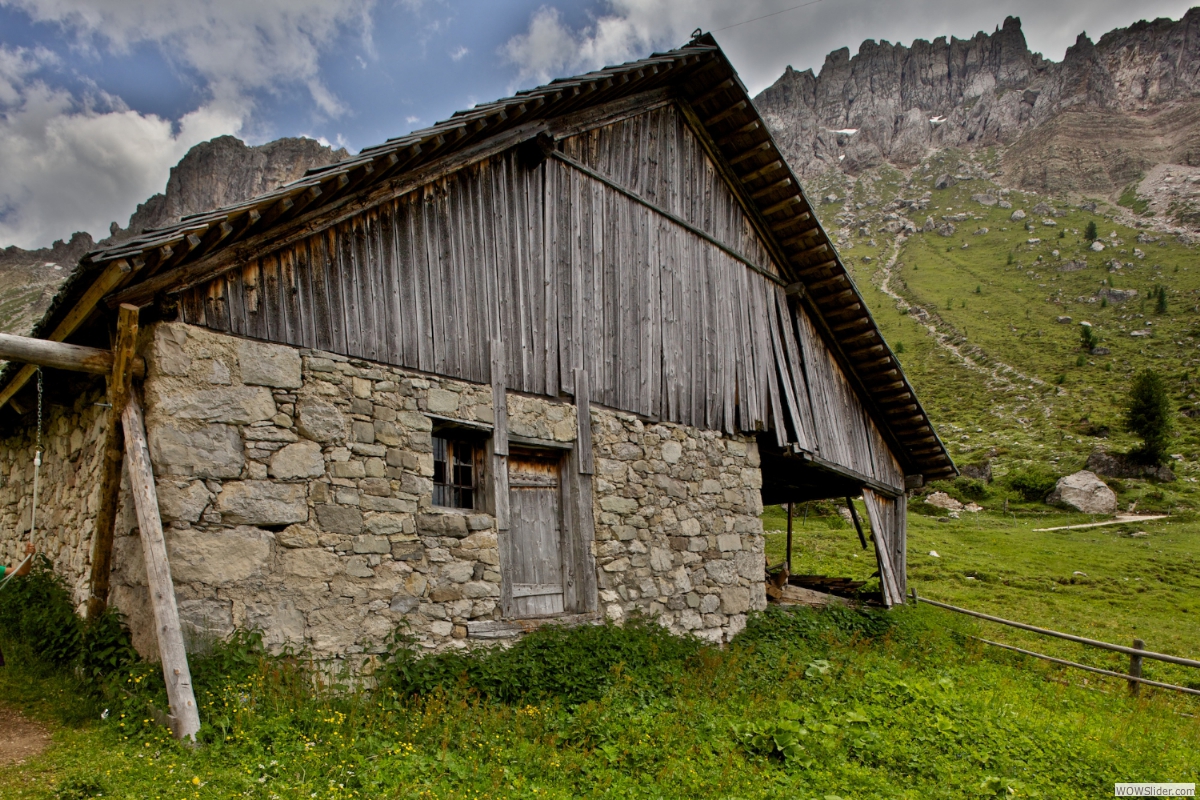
{"points": [[1129, 199], [877, 706], [1131, 587]]}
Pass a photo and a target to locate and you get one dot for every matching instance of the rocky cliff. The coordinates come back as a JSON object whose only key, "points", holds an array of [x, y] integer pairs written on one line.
{"points": [[215, 173], [1094, 122]]}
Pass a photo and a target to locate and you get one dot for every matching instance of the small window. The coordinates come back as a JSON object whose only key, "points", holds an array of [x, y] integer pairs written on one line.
{"points": [[455, 472]]}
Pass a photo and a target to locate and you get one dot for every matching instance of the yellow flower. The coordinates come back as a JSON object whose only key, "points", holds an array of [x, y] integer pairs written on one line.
{"points": [[196, 780]]}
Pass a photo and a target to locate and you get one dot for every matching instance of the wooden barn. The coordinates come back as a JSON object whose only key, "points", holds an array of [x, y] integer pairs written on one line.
{"points": [[546, 359]]}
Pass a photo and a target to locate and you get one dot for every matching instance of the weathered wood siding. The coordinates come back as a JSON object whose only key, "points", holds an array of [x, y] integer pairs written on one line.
{"points": [[569, 273]]}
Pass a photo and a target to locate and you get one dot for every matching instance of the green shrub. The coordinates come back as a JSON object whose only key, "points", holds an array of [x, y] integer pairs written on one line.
{"points": [[1033, 482], [574, 664], [1090, 233], [1148, 415], [1087, 337], [969, 488], [37, 614]]}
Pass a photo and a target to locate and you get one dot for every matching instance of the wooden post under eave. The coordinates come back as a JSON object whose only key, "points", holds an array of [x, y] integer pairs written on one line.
{"points": [[120, 384], [185, 716], [788, 558]]}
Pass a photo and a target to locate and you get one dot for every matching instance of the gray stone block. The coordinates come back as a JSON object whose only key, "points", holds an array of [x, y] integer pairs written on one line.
{"points": [[266, 364], [372, 544], [320, 420], [218, 558], [298, 460], [262, 503], [339, 519], [209, 451]]}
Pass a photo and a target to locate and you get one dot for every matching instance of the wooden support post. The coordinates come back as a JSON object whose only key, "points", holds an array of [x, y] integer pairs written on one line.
{"points": [[788, 559], [1135, 668], [857, 522], [185, 716], [583, 409], [499, 437], [120, 386]]}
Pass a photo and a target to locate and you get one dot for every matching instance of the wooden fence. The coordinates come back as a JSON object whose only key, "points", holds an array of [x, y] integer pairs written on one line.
{"points": [[1136, 653]]}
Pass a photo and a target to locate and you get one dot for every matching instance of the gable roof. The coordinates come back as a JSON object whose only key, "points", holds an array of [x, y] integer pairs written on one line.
{"points": [[174, 257]]}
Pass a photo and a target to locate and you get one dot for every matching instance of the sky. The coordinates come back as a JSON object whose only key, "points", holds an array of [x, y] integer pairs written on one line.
{"points": [[100, 98]]}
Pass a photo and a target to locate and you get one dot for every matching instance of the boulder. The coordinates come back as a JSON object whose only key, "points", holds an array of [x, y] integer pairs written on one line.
{"points": [[1084, 492], [943, 500], [1097, 246], [985, 199], [1017, 215], [944, 181], [1115, 465], [947, 229], [980, 472]]}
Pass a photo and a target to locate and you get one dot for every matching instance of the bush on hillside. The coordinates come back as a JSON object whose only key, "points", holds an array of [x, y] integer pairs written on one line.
{"points": [[1090, 233], [1033, 483], [1149, 416]]}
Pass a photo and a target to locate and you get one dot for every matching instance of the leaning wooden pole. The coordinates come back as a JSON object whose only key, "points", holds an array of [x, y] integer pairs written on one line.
{"points": [[120, 383], [185, 717]]}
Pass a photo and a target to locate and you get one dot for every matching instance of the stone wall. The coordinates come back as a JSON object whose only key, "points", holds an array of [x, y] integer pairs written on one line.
{"points": [[678, 527], [295, 488], [69, 487]]}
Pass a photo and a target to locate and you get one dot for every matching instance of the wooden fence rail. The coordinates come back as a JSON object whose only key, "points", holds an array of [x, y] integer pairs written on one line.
{"points": [[1135, 653]]}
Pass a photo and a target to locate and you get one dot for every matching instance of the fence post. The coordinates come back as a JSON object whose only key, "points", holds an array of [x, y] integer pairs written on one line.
{"points": [[1135, 667]]}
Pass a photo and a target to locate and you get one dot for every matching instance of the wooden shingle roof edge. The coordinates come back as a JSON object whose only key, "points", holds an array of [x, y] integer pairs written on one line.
{"points": [[717, 105]]}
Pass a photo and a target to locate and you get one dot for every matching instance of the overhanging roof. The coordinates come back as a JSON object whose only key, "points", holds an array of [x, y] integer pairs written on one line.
{"points": [[168, 259]]}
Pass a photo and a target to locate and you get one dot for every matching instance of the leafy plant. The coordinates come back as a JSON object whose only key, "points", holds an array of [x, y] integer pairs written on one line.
{"points": [[1033, 483], [969, 488], [779, 738]]}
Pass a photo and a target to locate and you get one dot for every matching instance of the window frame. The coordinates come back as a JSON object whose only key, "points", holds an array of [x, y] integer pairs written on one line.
{"points": [[448, 492]]}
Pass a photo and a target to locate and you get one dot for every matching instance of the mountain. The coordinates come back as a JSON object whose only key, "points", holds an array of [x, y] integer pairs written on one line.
{"points": [[1095, 123], [215, 173]]}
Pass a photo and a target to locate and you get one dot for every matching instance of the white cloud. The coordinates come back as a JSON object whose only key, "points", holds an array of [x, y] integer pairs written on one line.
{"points": [[69, 166], [238, 47], [71, 163], [457, 53]]}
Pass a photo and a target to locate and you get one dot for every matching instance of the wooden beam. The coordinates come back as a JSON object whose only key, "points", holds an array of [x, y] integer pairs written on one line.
{"points": [[749, 127], [185, 716], [120, 386], [775, 165], [862, 539], [771, 189], [112, 276], [584, 420], [58, 355], [751, 153], [713, 92]]}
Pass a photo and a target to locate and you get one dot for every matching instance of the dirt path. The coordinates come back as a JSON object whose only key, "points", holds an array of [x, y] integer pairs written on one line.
{"points": [[1001, 374], [20, 738]]}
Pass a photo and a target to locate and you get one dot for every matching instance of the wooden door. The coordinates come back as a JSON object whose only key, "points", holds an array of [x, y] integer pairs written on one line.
{"points": [[535, 573]]}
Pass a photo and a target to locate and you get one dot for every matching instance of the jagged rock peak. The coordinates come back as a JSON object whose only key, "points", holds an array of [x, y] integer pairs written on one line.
{"points": [[226, 170], [895, 103]]}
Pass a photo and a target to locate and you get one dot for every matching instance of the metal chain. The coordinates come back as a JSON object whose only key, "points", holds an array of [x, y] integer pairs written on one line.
{"points": [[39, 424], [37, 461]]}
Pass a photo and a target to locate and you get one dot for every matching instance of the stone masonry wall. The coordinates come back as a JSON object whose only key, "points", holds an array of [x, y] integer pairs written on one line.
{"points": [[296, 492], [296, 489], [678, 527], [68, 493]]}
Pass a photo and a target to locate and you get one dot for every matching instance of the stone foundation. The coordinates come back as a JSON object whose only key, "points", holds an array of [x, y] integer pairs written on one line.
{"points": [[295, 488]]}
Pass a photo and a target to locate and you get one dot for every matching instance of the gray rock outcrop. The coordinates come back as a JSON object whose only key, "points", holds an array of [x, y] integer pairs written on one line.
{"points": [[992, 90], [1085, 492]]}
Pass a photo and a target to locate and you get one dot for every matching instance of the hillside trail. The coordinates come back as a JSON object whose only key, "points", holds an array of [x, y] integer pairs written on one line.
{"points": [[1001, 373], [20, 737]]}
